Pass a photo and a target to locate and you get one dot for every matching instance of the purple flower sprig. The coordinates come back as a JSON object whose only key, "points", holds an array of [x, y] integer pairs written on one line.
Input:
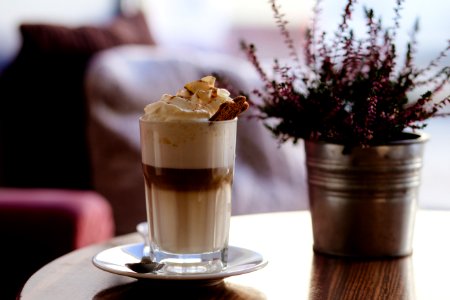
{"points": [[349, 90]]}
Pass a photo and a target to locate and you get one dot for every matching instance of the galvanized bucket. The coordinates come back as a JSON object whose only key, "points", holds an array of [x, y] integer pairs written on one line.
{"points": [[363, 203]]}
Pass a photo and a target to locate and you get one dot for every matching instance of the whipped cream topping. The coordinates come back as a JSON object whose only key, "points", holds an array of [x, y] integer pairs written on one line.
{"points": [[197, 100]]}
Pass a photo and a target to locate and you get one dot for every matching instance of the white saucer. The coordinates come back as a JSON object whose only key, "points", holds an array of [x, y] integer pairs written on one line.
{"points": [[115, 260]]}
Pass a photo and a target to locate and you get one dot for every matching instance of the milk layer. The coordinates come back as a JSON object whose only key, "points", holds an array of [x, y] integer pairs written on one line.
{"points": [[188, 144]]}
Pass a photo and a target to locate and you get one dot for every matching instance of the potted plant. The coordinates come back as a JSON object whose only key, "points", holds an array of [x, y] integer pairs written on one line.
{"points": [[349, 99]]}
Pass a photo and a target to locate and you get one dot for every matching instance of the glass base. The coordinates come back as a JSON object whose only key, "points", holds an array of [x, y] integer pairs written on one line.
{"points": [[198, 263]]}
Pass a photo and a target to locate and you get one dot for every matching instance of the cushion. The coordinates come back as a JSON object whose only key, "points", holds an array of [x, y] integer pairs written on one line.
{"points": [[42, 102], [86, 40], [122, 80]]}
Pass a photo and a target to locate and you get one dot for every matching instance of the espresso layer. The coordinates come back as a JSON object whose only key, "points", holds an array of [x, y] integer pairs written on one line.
{"points": [[187, 179]]}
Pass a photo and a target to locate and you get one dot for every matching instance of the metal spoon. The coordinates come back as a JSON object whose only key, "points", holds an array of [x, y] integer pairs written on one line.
{"points": [[145, 266]]}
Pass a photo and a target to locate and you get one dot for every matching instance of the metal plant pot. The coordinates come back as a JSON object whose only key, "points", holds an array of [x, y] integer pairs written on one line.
{"points": [[363, 203]]}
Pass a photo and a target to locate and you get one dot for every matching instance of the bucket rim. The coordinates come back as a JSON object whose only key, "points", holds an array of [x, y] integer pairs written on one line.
{"points": [[411, 137]]}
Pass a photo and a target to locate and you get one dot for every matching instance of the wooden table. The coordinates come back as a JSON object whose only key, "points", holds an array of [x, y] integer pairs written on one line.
{"points": [[293, 272]]}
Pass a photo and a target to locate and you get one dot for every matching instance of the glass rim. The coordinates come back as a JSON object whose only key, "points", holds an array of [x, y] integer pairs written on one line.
{"points": [[191, 121]]}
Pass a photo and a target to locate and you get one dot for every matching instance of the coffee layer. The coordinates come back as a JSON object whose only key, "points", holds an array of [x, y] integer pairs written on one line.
{"points": [[187, 179]]}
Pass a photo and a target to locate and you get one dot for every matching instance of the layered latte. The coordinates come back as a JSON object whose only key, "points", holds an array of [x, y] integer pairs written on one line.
{"points": [[188, 180], [188, 163]]}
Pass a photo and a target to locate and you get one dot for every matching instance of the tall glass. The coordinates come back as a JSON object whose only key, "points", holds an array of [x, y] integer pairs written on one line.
{"points": [[188, 168]]}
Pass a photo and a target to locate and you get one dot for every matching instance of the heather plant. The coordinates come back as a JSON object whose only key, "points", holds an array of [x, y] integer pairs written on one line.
{"points": [[346, 89]]}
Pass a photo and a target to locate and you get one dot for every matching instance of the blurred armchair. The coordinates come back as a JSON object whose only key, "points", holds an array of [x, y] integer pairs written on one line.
{"points": [[119, 83], [39, 225]]}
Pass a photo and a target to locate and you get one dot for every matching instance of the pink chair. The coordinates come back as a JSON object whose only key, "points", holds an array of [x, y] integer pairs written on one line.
{"points": [[39, 225]]}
